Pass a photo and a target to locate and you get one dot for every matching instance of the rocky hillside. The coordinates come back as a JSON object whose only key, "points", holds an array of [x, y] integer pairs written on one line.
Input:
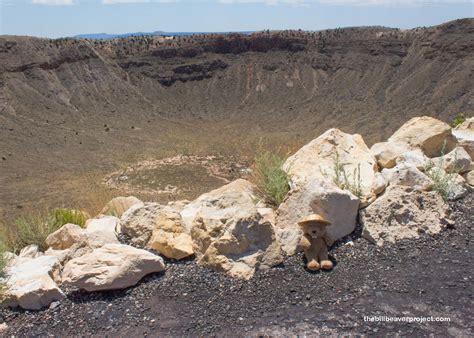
{"points": [[375, 233], [66, 100]]}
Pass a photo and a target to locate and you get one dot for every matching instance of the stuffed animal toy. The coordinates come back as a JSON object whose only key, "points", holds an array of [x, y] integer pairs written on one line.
{"points": [[314, 242]]}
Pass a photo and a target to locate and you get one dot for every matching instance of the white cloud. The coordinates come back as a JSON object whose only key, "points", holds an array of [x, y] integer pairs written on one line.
{"points": [[53, 2]]}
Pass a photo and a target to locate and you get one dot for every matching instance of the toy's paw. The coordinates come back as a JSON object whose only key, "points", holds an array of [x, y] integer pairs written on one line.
{"points": [[326, 265], [313, 265]]}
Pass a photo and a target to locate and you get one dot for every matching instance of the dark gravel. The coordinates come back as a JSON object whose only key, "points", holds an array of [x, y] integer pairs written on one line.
{"points": [[431, 276]]}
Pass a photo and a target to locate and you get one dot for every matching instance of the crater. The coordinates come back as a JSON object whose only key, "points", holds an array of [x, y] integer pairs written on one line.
{"points": [[179, 177]]}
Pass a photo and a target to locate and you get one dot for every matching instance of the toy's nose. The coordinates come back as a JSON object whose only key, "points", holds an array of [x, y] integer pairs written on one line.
{"points": [[314, 231]]}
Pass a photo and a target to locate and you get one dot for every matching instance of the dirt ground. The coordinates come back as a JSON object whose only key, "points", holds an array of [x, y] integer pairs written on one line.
{"points": [[430, 276]]}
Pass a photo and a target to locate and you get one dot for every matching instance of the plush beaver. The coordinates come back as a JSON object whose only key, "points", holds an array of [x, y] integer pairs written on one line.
{"points": [[314, 242]]}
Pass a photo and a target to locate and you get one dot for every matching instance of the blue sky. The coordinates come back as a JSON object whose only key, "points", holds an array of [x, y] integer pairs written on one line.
{"points": [[57, 18]]}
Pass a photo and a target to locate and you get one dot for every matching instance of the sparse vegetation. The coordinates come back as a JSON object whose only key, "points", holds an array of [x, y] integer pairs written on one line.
{"points": [[459, 119], [344, 180], [3, 264], [269, 177], [63, 216], [443, 182], [33, 228]]}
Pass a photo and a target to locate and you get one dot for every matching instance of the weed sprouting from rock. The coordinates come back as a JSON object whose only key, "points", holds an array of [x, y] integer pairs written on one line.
{"points": [[268, 175], [351, 182], [459, 119], [444, 182]]}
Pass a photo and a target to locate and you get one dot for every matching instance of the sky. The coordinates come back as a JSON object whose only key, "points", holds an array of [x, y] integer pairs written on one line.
{"points": [[61, 18]]}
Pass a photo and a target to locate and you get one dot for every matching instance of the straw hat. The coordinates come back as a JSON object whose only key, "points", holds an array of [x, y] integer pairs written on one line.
{"points": [[314, 218]]}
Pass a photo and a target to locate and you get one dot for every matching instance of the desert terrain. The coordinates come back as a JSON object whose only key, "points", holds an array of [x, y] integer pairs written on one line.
{"points": [[72, 111], [267, 184]]}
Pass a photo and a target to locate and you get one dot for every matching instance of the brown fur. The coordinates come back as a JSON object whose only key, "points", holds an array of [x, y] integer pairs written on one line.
{"points": [[314, 244]]}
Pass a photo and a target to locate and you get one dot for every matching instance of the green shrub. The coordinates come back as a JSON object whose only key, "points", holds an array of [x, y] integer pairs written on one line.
{"points": [[33, 228], [271, 180], [443, 182], [351, 182], [63, 216], [459, 119], [3, 265]]}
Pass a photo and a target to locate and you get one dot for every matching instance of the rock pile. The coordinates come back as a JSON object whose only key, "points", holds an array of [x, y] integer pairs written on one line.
{"points": [[395, 189]]}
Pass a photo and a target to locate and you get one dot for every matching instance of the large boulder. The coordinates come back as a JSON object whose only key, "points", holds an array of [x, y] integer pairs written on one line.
{"points": [[407, 175], [65, 237], [316, 197], [464, 134], [414, 158], [170, 237], [402, 212], [113, 266], [97, 232], [426, 133], [237, 245], [30, 251], [138, 222], [118, 205], [229, 234], [456, 161], [101, 231], [223, 202], [319, 159], [469, 177], [386, 153], [29, 284]]}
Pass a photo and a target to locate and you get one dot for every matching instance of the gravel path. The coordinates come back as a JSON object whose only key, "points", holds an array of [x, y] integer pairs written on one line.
{"points": [[431, 276]]}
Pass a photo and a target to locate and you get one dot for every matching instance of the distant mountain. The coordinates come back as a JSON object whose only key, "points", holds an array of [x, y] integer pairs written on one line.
{"points": [[106, 36]]}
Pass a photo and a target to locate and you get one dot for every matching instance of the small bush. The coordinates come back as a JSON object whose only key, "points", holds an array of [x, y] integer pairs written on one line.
{"points": [[270, 178], [3, 264], [31, 229], [63, 216], [459, 119], [34, 228], [443, 182], [351, 182]]}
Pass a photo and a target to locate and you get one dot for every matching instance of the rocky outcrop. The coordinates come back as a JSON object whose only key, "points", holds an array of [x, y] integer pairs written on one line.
{"points": [[331, 154], [456, 161], [316, 197], [469, 177], [65, 237], [100, 231], [464, 134], [414, 158], [138, 222], [402, 212], [228, 232], [387, 153], [118, 205], [29, 284], [97, 232], [30, 251], [426, 133], [169, 236], [113, 266], [158, 227], [223, 202], [407, 175]]}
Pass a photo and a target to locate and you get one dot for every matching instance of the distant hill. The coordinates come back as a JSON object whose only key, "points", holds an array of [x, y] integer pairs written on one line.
{"points": [[106, 36]]}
